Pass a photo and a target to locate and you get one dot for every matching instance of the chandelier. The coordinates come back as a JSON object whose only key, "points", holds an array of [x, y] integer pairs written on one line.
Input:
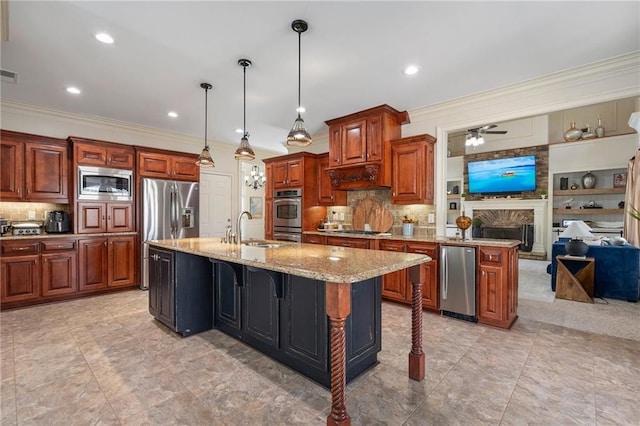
{"points": [[256, 179]]}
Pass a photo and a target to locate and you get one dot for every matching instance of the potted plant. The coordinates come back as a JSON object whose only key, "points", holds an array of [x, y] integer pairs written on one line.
{"points": [[407, 226], [476, 231], [544, 193]]}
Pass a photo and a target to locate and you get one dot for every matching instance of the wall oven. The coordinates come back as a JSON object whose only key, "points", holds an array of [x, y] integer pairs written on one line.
{"points": [[287, 215], [104, 184]]}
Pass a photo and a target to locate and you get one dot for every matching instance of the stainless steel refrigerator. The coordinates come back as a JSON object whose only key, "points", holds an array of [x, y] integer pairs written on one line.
{"points": [[169, 211], [458, 282]]}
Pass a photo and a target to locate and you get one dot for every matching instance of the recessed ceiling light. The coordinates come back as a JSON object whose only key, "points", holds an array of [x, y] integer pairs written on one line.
{"points": [[73, 90], [104, 38], [300, 109], [410, 70], [239, 131], [172, 114]]}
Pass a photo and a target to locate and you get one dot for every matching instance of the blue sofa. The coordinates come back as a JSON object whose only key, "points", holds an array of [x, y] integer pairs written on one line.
{"points": [[617, 270]]}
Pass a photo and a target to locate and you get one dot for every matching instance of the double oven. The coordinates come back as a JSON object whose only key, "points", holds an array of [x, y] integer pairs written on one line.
{"points": [[287, 215]]}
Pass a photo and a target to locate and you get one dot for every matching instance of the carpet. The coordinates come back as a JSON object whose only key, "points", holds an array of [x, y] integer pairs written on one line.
{"points": [[533, 281]]}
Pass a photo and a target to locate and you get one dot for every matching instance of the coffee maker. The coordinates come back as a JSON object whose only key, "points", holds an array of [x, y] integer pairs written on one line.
{"points": [[57, 222]]}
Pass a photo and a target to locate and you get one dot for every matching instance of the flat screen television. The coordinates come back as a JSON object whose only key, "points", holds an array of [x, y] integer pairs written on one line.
{"points": [[503, 175]]}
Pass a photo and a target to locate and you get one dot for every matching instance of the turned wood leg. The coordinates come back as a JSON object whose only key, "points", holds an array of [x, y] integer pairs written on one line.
{"points": [[338, 307], [416, 356]]}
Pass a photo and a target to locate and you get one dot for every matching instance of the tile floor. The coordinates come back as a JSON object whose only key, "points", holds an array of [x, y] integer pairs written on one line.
{"points": [[104, 360]]}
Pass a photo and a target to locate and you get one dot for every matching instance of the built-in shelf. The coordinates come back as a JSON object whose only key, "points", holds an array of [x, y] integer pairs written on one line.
{"points": [[563, 142], [594, 191], [453, 196], [588, 211]]}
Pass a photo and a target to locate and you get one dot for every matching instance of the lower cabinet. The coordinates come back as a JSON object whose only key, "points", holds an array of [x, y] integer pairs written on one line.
{"points": [[106, 262], [497, 286], [181, 291], [20, 278], [284, 317], [59, 268], [394, 284]]}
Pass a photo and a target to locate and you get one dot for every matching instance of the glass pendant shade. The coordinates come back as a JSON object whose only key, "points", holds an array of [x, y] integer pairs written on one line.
{"points": [[244, 151], [298, 136], [205, 159]]}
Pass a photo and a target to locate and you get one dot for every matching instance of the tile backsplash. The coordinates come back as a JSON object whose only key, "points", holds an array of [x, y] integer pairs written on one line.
{"points": [[16, 212]]}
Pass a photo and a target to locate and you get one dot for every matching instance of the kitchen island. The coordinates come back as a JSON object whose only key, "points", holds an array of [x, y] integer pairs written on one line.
{"points": [[339, 268]]}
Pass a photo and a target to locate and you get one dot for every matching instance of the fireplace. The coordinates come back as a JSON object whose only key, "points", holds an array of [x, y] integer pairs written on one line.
{"points": [[523, 233]]}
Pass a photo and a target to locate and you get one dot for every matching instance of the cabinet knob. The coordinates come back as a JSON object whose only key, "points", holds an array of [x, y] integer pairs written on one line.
{"points": [[105, 243]]}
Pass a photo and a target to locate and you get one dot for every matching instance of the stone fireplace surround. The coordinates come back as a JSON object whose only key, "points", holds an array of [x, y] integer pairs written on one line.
{"points": [[511, 213]]}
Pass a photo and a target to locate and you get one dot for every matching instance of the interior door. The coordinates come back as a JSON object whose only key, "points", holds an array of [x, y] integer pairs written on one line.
{"points": [[215, 204]]}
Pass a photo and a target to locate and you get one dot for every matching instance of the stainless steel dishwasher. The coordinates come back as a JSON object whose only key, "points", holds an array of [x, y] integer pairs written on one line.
{"points": [[458, 282]]}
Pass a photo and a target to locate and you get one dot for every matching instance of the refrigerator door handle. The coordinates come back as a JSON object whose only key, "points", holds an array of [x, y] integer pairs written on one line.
{"points": [[172, 212], [445, 268]]}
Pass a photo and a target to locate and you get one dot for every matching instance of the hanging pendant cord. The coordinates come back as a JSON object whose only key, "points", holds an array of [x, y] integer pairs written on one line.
{"points": [[206, 144], [244, 101], [299, 74]]}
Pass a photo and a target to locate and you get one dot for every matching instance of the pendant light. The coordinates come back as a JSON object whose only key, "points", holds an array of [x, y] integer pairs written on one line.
{"points": [[204, 159], [244, 151], [298, 136]]}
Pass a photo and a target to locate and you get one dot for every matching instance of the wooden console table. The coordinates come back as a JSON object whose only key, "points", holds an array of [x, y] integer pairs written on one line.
{"points": [[575, 278]]}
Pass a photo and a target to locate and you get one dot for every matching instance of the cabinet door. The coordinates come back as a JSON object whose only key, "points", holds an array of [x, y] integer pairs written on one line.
{"points": [[59, 273], [354, 142], [268, 218], [166, 288], [11, 170], [280, 179], [121, 261], [92, 264], [260, 307], [119, 217], [91, 218], [227, 298], [295, 173], [185, 168], [428, 275], [152, 164], [20, 278], [407, 183], [120, 158], [87, 154], [335, 146], [394, 284], [490, 293], [46, 172], [326, 193], [374, 139], [348, 242]]}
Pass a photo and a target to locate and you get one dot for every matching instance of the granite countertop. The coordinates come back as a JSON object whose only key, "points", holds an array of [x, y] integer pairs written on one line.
{"points": [[45, 236], [485, 242], [326, 263]]}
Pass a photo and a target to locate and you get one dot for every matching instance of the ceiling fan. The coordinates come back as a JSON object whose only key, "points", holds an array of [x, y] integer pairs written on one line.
{"points": [[474, 136]]}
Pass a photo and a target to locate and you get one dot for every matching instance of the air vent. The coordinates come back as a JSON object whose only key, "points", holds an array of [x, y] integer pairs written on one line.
{"points": [[9, 76]]}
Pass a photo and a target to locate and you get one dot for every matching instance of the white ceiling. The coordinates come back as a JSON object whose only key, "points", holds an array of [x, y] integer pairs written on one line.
{"points": [[352, 56]]}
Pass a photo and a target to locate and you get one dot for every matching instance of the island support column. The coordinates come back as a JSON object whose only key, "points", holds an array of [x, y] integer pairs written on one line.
{"points": [[338, 307], [416, 356]]}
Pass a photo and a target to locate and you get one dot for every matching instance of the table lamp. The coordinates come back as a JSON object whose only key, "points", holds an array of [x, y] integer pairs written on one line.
{"points": [[577, 230]]}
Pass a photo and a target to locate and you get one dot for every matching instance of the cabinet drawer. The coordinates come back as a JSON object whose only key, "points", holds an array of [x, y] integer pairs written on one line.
{"points": [[430, 250], [20, 247], [58, 245], [348, 242], [393, 246], [314, 239], [491, 256]]}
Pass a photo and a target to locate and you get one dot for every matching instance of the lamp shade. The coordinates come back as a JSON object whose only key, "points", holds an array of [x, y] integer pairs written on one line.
{"points": [[577, 229]]}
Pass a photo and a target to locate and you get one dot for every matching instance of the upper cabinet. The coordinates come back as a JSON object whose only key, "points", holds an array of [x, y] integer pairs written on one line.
{"points": [[360, 149], [412, 169], [327, 195], [288, 173], [34, 168], [167, 165], [88, 152]]}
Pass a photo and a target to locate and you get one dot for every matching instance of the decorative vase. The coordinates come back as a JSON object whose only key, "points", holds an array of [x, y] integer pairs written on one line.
{"points": [[573, 134], [576, 247], [588, 134], [564, 183], [463, 222], [407, 229], [588, 180], [599, 129]]}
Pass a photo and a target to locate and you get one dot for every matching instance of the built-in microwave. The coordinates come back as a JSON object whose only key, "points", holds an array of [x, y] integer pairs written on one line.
{"points": [[104, 184]]}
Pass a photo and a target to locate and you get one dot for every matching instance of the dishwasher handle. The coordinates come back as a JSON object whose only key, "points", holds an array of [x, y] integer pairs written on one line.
{"points": [[445, 273]]}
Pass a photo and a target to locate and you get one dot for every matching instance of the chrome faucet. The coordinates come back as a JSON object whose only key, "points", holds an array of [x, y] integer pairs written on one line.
{"points": [[238, 229]]}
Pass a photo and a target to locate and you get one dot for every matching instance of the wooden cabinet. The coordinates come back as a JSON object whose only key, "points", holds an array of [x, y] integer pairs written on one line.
{"points": [[168, 165], [59, 267], [314, 239], [20, 271], [348, 242], [98, 217], [34, 168], [412, 170], [497, 286], [359, 147], [88, 152], [106, 262], [268, 202], [429, 274], [394, 284], [327, 196], [181, 290], [288, 174]]}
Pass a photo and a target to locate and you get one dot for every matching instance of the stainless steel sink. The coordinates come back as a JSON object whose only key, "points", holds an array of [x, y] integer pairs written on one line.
{"points": [[259, 243]]}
